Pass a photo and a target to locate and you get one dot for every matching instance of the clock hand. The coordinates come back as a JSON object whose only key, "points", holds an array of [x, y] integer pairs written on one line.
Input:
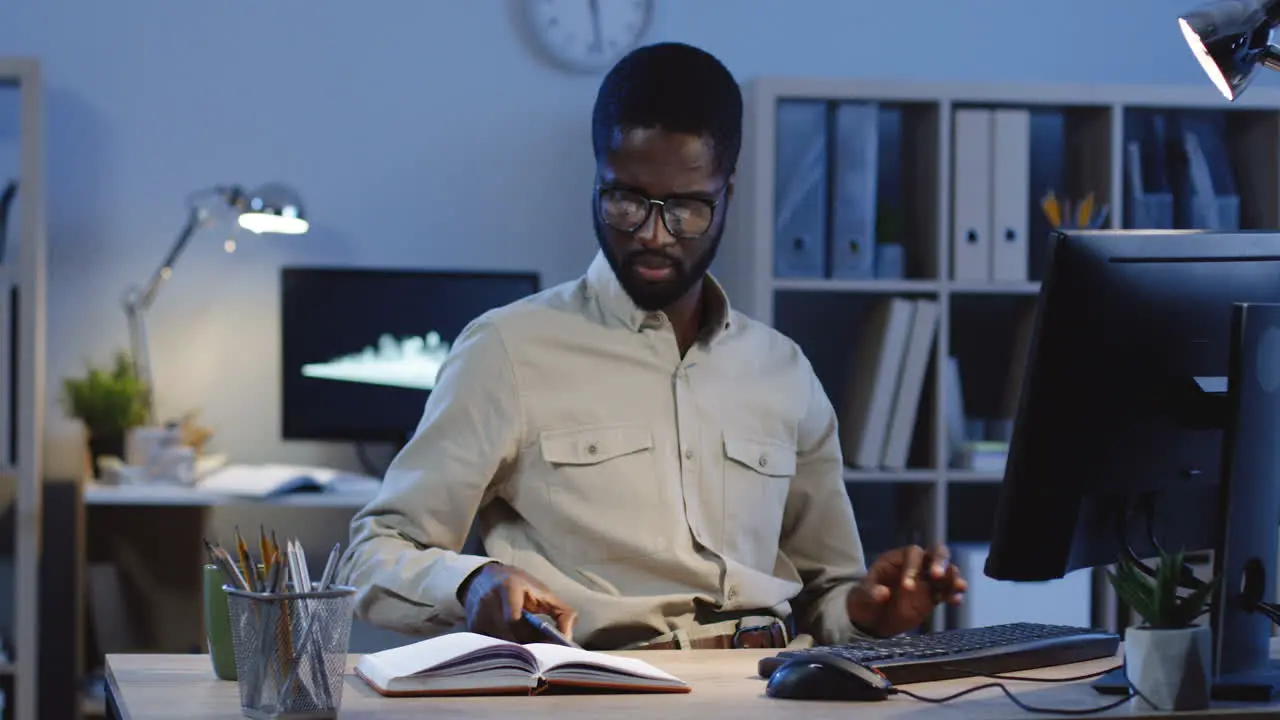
{"points": [[597, 44]]}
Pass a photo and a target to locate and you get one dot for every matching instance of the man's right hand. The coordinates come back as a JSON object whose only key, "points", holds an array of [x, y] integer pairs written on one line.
{"points": [[495, 597]]}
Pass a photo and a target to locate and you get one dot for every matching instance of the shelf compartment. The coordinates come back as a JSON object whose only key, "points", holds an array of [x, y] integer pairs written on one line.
{"points": [[893, 515], [852, 177], [1241, 150], [989, 338], [830, 329]]}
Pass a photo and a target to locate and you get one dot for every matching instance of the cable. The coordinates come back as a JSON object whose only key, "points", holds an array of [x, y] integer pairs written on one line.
{"points": [[1025, 707]]}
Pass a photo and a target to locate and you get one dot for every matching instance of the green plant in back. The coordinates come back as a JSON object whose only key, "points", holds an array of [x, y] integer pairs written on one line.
{"points": [[108, 401], [1157, 600]]}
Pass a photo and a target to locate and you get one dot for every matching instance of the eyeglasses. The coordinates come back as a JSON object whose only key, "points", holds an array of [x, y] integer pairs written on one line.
{"points": [[685, 217]]}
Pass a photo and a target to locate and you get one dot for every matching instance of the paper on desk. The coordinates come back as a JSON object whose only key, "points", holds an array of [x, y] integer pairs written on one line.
{"points": [[272, 479]]}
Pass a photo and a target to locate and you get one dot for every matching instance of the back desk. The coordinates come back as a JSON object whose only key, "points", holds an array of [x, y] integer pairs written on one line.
{"points": [[724, 685]]}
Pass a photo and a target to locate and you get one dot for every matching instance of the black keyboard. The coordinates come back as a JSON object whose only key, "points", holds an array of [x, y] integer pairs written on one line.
{"points": [[991, 650]]}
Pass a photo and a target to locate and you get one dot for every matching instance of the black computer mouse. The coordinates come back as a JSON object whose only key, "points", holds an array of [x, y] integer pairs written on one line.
{"points": [[826, 677]]}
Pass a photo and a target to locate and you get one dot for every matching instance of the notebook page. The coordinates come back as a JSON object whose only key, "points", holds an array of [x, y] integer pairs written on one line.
{"points": [[433, 653], [552, 656]]}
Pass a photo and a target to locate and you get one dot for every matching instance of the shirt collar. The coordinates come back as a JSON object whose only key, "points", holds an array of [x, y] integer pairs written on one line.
{"points": [[603, 287]]}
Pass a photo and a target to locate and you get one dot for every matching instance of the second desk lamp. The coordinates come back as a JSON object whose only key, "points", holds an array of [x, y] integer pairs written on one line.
{"points": [[270, 208]]}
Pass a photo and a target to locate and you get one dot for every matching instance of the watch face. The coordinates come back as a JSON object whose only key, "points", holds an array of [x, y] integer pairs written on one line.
{"points": [[588, 35]]}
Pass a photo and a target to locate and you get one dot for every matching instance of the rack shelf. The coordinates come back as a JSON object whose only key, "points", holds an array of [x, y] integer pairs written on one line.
{"points": [[22, 377], [1073, 140]]}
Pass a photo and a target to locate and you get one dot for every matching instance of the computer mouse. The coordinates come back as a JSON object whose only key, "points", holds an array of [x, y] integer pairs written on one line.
{"points": [[826, 677]]}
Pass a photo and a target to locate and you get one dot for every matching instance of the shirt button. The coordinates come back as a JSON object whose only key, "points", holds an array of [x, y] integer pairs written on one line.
{"points": [[592, 449], [688, 454], [732, 594], [764, 461]]}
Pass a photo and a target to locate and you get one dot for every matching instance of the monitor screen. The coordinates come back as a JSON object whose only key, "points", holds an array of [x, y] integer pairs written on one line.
{"points": [[361, 348]]}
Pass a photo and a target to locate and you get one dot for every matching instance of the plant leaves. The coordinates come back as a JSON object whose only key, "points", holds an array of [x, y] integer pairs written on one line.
{"points": [[1157, 600]]}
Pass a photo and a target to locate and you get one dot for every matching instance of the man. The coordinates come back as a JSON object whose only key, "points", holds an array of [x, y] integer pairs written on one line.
{"points": [[649, 468]]}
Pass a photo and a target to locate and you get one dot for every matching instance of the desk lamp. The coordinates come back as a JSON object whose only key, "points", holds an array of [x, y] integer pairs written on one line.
{"points": [[271, 208], [1232, 40]]}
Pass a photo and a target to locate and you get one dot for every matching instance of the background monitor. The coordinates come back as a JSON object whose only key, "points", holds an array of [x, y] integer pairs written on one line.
{"points": [[1145, 420], [361, 347]]}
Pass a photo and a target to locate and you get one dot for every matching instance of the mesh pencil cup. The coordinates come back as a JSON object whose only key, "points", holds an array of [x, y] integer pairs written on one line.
{"points": [[291, 651]]}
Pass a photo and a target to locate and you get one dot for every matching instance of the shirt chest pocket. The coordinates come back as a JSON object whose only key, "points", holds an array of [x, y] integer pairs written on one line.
{"points": [[605, 491], [757, 478]]}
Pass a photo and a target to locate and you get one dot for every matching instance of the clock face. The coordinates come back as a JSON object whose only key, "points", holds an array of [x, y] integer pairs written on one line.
{"points": [[588, 35]]}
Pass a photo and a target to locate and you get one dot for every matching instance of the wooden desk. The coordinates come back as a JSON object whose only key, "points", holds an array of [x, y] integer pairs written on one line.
{"points": [[724, 686]]}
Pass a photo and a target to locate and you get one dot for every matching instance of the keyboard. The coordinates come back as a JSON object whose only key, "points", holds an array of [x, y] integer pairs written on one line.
{"points": [[991, 650]]}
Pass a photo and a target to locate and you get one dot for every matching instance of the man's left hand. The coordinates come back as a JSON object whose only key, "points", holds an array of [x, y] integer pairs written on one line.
{"points": [[902, 588]]}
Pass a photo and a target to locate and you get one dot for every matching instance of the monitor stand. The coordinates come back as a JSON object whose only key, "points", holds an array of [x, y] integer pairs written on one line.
{"points": [[1249, 513]]}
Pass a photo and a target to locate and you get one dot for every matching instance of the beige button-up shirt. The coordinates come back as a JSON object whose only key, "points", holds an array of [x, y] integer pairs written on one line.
{"points": [[641, 487]]}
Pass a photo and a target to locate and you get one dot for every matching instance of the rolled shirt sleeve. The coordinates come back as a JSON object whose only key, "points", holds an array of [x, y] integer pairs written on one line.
{"points": [[404, 557]]}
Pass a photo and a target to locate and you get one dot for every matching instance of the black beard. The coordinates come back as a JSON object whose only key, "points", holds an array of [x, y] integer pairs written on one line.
{"points": [[652, 297]]}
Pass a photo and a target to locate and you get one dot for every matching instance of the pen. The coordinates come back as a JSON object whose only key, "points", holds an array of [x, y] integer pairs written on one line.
{"points": [[548, 629], [330, 567]]}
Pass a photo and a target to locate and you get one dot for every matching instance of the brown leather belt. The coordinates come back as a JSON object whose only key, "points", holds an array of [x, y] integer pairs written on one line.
{"points": [[772, 636]]}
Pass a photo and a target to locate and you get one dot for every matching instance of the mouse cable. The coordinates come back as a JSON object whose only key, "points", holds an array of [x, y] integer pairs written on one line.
{"points": [[1026, 707], [1023, 706]]}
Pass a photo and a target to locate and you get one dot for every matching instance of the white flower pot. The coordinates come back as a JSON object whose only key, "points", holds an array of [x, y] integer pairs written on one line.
{"points": [[1170, 669]]}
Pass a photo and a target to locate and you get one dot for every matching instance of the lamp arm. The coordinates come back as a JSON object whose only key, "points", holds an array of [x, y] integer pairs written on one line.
{"points": [[138, 301], [1271, 57], [147, 296]]}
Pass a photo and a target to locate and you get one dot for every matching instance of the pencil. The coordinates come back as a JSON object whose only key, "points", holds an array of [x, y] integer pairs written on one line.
{"points": [[245, 566]]}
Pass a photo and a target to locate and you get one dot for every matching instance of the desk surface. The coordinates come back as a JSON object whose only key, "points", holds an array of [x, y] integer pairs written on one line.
{"points": [[724, 685], [181, 496]]}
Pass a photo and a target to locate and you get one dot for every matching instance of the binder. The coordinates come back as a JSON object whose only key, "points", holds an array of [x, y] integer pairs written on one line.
{"points": [[873, 381], [851, 243], [8, 360], [1010, 195], [1148, 198], [971, 195], [906, 403], [800, 202], [954, 410], [1214, 202]]}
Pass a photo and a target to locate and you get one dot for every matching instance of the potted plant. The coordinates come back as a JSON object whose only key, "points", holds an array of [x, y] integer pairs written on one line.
{"points": [[1168, 658], [109, 402]]}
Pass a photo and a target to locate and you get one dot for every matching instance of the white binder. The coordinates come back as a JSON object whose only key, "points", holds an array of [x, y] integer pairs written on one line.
{"points": [[1010, 195], [971, 195]]}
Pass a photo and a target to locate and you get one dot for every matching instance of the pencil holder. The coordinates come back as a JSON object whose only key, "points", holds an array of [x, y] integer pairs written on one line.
{"points": [[291, 650]]}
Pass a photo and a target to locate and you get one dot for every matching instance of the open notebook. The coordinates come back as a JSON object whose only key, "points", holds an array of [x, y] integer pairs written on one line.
{"points": [[270, 480], [466, 663]]}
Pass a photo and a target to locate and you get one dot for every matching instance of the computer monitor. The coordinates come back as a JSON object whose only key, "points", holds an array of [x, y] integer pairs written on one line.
{"points": [[361, 347], [1148, 418]]}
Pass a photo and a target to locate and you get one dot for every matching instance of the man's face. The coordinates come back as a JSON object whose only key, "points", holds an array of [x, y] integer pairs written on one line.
{"points": [[659, 252]]}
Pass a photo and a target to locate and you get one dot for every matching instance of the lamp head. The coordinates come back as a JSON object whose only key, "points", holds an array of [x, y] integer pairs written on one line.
{"points": [[1232, 40], [272, 208]]}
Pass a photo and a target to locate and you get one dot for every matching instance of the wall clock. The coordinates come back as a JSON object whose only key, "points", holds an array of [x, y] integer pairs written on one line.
{"points": [[587, 35]]}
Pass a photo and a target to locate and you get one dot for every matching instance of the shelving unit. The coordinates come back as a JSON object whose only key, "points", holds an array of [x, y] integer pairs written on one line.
{"points": [[22, 376], [977, 320]]}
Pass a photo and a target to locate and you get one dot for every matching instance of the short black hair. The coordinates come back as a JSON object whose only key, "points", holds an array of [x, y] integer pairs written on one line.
{"points": [[674, 87]]}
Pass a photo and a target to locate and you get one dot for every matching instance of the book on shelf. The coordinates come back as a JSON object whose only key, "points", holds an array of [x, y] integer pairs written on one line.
{"points": [[875, 370], [906, 404], [465, 663]]}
